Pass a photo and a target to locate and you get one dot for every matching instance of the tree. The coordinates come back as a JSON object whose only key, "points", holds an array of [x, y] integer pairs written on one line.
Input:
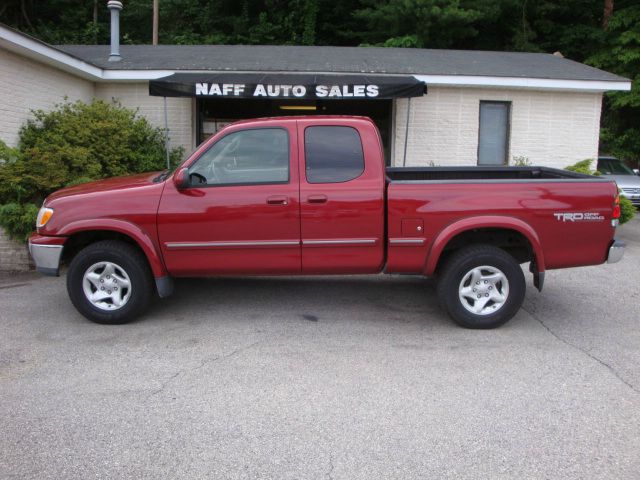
{"points": [[57, 21], [416, 23], [621, 118], [608, 11]]}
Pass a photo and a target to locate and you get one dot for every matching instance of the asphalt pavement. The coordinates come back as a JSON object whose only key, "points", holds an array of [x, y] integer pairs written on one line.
{"points": [[325, 378]]}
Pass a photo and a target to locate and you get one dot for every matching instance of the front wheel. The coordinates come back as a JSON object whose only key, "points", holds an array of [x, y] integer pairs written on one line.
{"points": [[481, 287], [109, 282]]}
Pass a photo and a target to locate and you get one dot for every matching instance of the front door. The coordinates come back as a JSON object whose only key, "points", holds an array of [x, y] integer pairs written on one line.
{"points": [[341, 196], [241, 213]]}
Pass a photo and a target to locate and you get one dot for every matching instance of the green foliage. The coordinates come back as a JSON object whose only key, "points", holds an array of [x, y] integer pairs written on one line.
{"points": [[79, 181], [627, 210], [521, 161], [417, 23], [92, 141], [8, 154], [572, 27], [75, 143], [620, 134], [406, 41], [18, 219], [293, 22], [583, 166], [10, 187]]}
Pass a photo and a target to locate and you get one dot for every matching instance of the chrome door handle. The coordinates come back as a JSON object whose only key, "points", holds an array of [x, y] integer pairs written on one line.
{"points": [[278, 200], [317, 199]]}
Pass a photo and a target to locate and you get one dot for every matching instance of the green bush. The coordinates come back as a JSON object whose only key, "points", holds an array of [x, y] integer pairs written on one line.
{"points": [[18, 219], [75, 143], [583, 166], [8, 154], [627, 210], [10, 162], [95, 140], [521, 161]]}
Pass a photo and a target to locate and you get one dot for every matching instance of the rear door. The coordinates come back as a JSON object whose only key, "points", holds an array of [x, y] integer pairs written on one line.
{"points": [[341, 196], [241, 213]]}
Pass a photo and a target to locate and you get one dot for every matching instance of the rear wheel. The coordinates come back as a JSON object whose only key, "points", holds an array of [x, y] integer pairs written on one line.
{"points": [[481, 287], [109, 282]]}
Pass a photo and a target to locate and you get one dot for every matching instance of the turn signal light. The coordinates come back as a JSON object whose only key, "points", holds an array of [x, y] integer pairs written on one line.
{"points": [[44, 215], [616, 207]]}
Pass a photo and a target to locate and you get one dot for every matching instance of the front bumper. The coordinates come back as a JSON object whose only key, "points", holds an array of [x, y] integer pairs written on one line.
{"points": [[616, 251], [46, 253]]}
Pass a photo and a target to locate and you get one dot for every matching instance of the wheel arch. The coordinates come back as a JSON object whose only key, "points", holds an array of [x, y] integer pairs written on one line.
{"points": [[84, 233], [485, 303], [491, 230]]}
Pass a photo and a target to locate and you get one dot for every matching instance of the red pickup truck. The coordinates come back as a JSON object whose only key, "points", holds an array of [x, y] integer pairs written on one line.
{"points": [[311, 196]]}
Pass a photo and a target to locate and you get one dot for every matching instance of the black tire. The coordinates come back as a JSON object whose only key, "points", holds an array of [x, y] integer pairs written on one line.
{"points": [[127, 259], [459, 267]]}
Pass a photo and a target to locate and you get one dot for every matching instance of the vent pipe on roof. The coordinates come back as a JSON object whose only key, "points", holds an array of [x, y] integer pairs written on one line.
{"points": [[115, 8]]}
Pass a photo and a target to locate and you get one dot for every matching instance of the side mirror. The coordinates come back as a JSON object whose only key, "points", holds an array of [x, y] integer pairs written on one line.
{"points": [[636, 171], [181, 178]]}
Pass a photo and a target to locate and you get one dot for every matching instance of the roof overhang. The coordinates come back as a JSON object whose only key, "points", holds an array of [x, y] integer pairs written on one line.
{"points": [[27, 46], [524, 83], [21, 44]]}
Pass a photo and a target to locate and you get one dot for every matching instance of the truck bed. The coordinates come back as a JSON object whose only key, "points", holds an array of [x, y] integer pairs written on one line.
{"points": [[484, 174], [569, 213]]}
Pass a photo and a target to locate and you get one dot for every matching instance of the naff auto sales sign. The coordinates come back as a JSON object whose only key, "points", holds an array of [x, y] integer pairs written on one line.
{"points": [[261, 90], [286, 86]]}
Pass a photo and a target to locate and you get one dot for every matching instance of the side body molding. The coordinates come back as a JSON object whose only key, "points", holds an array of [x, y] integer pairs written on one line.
{"points": [[486, 221], [126, 228]]}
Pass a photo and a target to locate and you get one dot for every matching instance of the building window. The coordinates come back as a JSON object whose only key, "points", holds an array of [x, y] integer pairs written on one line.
{"points": [[493, 136], [332, 154]]}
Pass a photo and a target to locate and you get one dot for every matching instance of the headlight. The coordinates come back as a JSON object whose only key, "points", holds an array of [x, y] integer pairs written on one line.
{"points": [[44, 215]]}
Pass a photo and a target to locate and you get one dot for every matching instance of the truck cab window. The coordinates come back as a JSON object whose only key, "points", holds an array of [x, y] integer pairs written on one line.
{"points": [[333, 154], [246, 157]]}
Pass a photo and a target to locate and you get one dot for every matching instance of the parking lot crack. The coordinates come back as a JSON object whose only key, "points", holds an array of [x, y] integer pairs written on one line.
{"points": [[612, 370], [167, 382], [215, 358], [329, 474], [203, 362]]}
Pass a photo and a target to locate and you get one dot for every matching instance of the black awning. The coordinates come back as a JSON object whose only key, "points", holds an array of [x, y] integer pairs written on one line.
{"points": [[286, 86]]}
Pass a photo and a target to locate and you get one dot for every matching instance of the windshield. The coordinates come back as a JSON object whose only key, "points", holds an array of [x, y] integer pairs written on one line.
{"points": [[613, 166]]}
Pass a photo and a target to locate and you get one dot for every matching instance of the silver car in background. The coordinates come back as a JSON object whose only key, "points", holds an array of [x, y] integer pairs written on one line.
{"points": [[628, 181]]}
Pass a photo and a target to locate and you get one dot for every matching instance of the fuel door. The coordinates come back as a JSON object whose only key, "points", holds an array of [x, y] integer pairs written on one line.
{"points": [[412, 227]]}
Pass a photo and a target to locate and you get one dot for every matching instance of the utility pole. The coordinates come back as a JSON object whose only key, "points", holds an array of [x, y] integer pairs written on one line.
{"points": [[155, 22], [608, 11], [95, 21]]}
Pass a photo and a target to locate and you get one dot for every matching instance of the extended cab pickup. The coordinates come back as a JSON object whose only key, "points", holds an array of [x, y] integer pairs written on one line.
{"points": [[311, 195]]}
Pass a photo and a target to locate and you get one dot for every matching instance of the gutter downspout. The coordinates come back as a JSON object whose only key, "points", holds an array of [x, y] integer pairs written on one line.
{"points": [[406, 133], [166, 133]]}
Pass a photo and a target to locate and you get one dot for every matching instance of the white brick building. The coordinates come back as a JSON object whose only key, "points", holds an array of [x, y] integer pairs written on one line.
{"points": [[480, 107]]}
